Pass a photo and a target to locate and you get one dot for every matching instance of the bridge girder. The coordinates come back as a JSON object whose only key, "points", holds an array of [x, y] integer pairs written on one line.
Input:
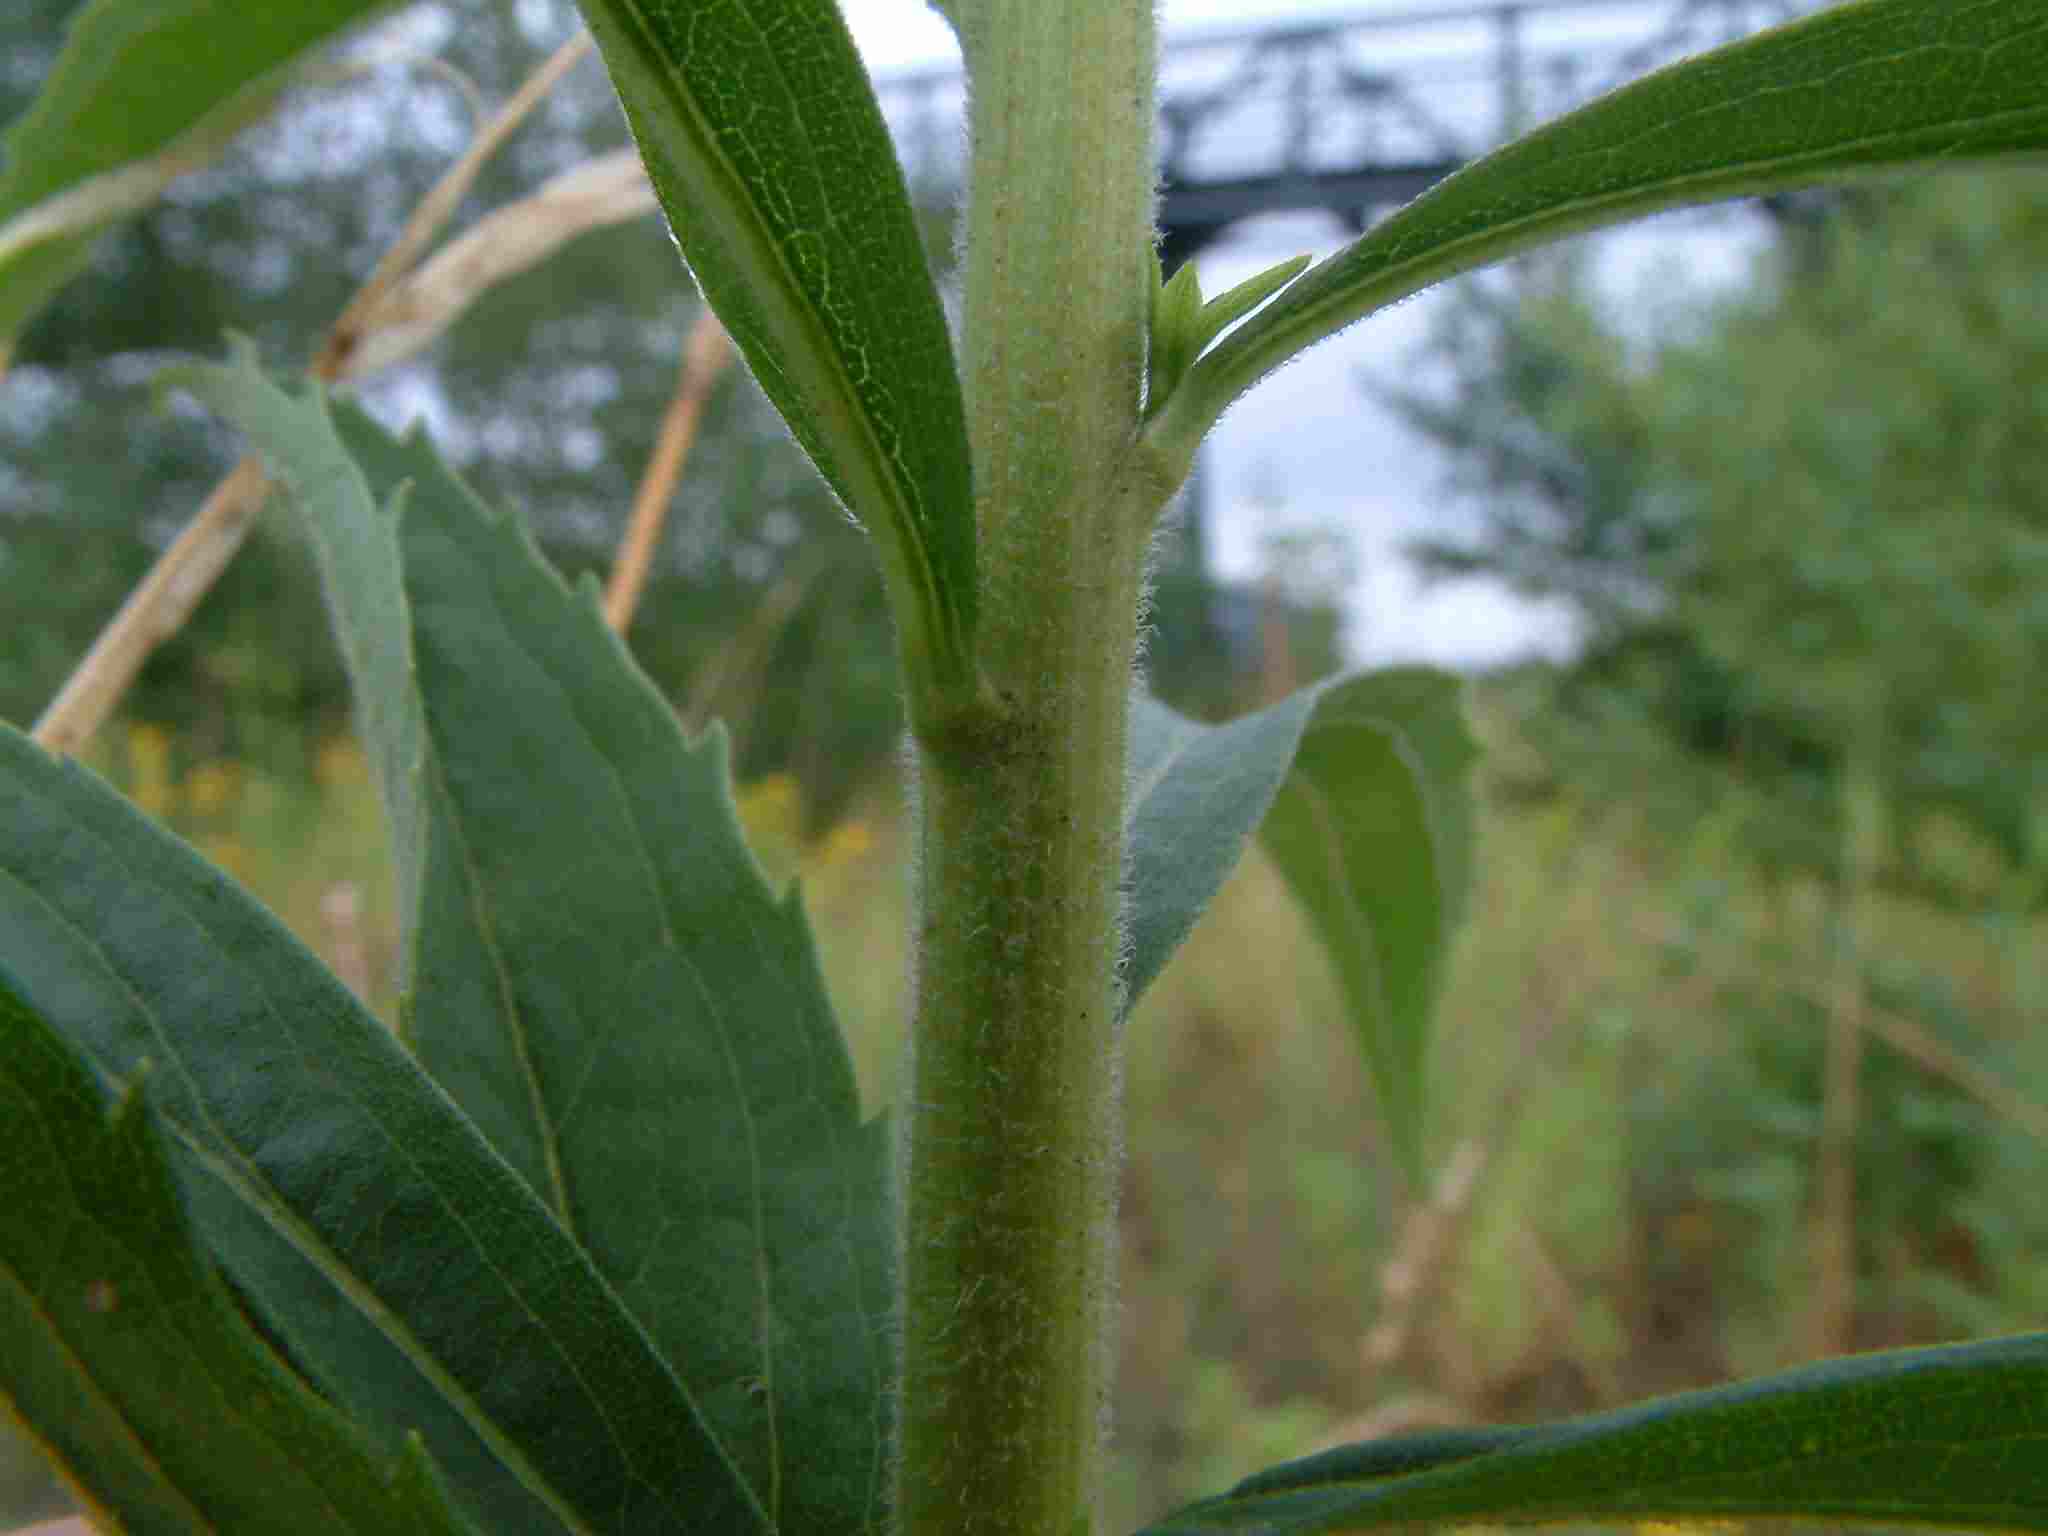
{"points": [[1333, 133]]}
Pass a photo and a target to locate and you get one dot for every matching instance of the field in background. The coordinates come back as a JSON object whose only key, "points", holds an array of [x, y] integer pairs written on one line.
{"points": [[1629, 1077]]}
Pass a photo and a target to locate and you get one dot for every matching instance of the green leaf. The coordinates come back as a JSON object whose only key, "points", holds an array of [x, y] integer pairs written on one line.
{"points": [[1357, 789], [1183, 326], [144, 91], [1170, 346], [768, 150], [1860, 88], [1945, 1437], [1233, 304], [409, 1269], [615, 995], [122, 1352]]}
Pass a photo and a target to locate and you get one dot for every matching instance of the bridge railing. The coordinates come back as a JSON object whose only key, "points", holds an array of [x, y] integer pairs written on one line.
{"points": [[1351, 112]]}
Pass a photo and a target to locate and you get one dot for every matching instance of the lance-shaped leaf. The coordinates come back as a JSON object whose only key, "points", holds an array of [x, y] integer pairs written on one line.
{"points": [[1861, 88], [599, 973], [769, 152], [122, 1352], [408, 1268], [144, 91], [1357, 789], [1943, 1437]]}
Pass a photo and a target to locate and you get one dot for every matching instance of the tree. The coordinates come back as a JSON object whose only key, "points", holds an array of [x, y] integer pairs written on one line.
{"points": [[1799, 524]]}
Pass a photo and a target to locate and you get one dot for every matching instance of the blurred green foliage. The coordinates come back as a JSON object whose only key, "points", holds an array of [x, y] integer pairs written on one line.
{"points": [[1730, 1125], [1798, 523]]}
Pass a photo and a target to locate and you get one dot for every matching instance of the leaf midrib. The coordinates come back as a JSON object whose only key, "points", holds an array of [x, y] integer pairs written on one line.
{"points": [[546, 1131], [901, 496], [627, 807]]}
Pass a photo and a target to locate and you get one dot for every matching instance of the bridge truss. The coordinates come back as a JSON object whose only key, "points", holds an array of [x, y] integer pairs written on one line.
{"points": [[1354, 114]]}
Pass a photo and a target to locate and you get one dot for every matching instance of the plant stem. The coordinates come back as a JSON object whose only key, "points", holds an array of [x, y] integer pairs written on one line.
{"points": [[1009, 1184], [1834, 1323], [157, 609], [705, 356]]}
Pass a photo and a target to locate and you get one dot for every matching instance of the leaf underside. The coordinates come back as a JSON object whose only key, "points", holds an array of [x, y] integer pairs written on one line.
{"points": [[1357, 790], [770, 155], [1955, 1436], [597, 971]]}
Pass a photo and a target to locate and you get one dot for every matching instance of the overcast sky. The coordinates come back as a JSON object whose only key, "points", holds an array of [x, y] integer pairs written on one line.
{"points": [[1309, 439]]}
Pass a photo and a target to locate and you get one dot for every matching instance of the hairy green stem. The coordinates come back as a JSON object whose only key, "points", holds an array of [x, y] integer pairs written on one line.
{"points": [[1011, 1162]]}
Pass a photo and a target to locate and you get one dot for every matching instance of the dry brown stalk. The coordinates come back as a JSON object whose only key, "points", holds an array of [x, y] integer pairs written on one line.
{"points": [[1422, 1253], [748, 648], [348, 949], [155, 610], [1851, 1010], [438, 206], [416, 309], [1930, 1055], [705, 357], [1834, 1230], [1834, 1235], [1428, 1243], [187, 570]]}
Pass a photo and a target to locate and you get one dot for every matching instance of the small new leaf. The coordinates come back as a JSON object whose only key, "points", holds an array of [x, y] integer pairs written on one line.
{"points": [[1172, 347], [1183, 325], [1233, 304]]}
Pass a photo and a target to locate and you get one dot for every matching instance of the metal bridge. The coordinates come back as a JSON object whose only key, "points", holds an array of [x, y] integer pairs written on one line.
{"points": [[1352, 114]]}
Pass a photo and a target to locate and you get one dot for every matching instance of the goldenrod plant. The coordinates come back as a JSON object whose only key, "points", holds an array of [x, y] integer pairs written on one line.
{"points": [[600, 1241]]}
